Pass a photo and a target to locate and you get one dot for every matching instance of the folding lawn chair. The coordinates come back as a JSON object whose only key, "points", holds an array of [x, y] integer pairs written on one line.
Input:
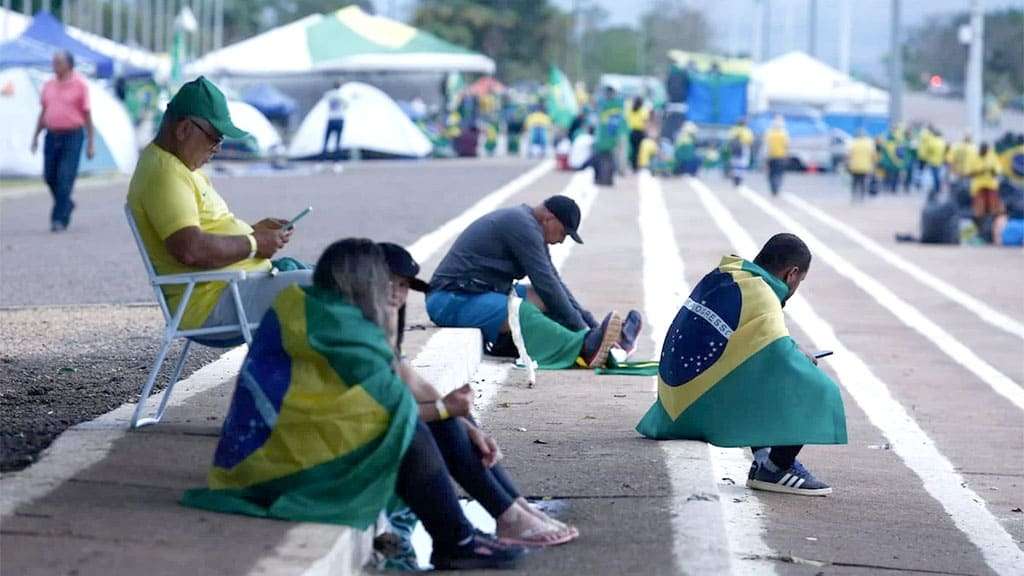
{"points": [[236, 333]]}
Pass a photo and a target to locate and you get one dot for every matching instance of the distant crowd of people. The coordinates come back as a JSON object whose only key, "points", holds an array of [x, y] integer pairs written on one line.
{"points": [[984, 183]]}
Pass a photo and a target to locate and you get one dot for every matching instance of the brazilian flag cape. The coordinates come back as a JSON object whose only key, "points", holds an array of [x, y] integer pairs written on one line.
{"points": [[319, 420], [731, 375]]}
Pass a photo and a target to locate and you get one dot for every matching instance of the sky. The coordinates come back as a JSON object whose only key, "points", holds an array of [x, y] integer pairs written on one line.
{"points": [[732, 22]]}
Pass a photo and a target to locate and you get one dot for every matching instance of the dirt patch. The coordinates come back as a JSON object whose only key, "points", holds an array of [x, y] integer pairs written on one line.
{"points": [[64, 365]]}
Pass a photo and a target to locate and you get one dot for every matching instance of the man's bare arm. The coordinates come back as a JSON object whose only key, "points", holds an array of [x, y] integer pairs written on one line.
{"points": [[197, 249]]}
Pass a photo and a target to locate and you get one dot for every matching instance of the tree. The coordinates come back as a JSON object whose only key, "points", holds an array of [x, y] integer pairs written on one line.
{"points": [[934, 48], [522, 36], [668, 25]]}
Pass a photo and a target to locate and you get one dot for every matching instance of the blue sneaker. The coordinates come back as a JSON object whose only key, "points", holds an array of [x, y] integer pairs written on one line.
{"points": [[796, 480], [759, 457], [599, 340]]}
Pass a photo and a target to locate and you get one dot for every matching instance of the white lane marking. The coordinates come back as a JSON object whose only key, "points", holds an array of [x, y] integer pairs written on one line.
{"points": [[908, 440], [429, 244], [491, 374], [974, 305], [904, 311], [699, 528]]}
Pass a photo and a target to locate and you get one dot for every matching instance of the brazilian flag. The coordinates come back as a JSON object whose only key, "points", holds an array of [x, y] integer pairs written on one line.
{"points": [[731, 375], [319, 421]]}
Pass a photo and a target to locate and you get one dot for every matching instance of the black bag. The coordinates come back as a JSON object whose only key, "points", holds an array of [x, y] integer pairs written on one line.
{"points": [[940, 223]]}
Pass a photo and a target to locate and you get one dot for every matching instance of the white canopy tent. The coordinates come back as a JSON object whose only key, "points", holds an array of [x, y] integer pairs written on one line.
{"points": [[12, 24], [373, 122], [248, 118], [348, 40], [798, 79]]}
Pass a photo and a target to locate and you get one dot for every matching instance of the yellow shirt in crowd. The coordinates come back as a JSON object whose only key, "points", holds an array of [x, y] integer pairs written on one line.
{"points": [[637, 119], [165, 196], [960, 157], [931, 148], [776, 140], [648, 149], [860, 157], [984, 171], [744, 134], [537, 118]]}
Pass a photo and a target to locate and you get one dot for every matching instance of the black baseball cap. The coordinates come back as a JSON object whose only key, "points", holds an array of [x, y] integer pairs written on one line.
{"points": [[401, 263], [567, 212]]}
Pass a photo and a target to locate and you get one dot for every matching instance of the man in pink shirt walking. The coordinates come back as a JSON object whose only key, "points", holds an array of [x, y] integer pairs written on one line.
{"points": [[67, 120]]}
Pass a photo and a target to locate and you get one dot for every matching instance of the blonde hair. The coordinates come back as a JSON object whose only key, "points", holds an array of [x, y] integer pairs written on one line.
{"points": [[355, 269]]}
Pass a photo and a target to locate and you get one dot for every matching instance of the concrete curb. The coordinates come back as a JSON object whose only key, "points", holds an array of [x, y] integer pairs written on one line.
{"points": [[449, 359]]}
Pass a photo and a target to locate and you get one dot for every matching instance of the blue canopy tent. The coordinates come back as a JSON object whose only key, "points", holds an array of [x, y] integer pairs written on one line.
{"points": [[45, 36], [273, 103]]}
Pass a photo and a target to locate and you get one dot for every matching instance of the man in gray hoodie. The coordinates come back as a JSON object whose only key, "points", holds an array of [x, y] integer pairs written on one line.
{"points": [[470, 287]]}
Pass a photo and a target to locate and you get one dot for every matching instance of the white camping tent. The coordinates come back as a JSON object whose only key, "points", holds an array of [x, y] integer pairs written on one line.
{"points": [[373, 122], [20, 88], [796, 78], [253, 121]]}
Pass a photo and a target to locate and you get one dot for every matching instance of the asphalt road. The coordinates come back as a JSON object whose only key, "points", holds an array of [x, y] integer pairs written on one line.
{"points": [[931, 480]]}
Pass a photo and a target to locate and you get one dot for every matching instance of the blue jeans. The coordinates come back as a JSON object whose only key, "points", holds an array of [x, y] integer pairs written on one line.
{"points": [[487, 311], [62, 152], [334, 128]]}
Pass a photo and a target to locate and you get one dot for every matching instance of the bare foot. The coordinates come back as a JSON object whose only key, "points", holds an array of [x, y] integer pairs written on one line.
{"points": [[519, 526], [538, 513]]}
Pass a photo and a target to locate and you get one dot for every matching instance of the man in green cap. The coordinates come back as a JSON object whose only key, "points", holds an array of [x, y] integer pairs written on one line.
{"points": [[187, 227]]}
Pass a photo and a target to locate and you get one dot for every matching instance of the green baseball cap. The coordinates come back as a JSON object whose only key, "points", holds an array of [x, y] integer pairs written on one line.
{"points": [[202, 99]]}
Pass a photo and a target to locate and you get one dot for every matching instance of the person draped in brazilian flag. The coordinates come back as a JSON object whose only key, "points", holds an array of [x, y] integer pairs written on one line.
{"points": [[322, 428], [731, 375]]}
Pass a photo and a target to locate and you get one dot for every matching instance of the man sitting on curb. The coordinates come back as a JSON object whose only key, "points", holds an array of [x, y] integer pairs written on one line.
{"points": [[731, 375], [470, 288], [187, 227]]}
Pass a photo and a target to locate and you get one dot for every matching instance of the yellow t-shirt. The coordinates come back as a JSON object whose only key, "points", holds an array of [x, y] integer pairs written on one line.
{"points": [[536, 119], [742, 133], [860, 158], [960, 157], [637, 119], [984, 171], [648, 149], [165, 196], [777, 142]]}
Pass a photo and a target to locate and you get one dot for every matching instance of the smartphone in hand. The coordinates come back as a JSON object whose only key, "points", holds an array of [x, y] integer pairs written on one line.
{"points": [[299, 216]]}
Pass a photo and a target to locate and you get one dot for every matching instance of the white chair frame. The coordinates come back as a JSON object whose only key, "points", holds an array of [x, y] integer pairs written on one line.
{"points": [[172, 322]]}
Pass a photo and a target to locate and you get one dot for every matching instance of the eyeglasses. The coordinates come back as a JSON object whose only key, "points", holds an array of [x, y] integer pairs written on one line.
{"points": [[217, 140]]}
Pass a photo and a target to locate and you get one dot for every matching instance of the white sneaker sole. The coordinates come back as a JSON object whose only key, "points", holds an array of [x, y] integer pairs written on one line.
{"points": [[773, 487], [611, 336]]}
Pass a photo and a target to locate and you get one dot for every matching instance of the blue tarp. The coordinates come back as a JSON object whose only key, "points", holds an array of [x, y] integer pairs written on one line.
{"points": [[851, 123], [46, 35], [273, 103], [716, 98]]}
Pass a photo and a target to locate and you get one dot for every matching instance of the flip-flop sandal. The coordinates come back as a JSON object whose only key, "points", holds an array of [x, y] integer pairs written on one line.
{"points": [[534, 538]]}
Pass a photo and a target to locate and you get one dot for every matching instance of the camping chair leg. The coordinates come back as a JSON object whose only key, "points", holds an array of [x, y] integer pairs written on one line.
{"points": [[243, 318], [170, 384], [138, 422]]}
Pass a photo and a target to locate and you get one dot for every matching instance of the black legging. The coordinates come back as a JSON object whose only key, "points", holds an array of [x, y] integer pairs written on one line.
{"points": [[635, 138], [424, 484], [441, 451], [492, 486], [782, 456]]}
